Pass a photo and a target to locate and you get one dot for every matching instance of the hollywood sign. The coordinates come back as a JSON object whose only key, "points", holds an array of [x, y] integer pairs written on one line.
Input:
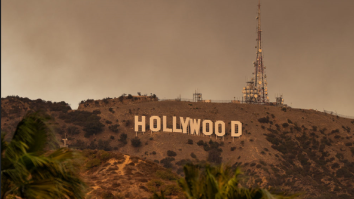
{"points": [[188, 126]]}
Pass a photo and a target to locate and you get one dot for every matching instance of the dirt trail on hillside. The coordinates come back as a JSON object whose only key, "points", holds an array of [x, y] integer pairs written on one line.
{"points": [[121, 167]]}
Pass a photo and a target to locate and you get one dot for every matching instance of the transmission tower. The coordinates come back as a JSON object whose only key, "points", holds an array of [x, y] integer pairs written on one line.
{"points": [[256, 90]]}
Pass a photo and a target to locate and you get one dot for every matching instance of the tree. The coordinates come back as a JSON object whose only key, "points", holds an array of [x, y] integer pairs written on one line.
{"points": [[29, 170], [123, 138], [136, 142], [218, 182]]}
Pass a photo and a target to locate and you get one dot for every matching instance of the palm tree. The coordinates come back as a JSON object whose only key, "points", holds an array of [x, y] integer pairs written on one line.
{"points": [[218, 183], [29, 170]]}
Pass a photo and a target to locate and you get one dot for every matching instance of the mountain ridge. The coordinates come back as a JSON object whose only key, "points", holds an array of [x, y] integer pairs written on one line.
{"points": [[295, 149]]}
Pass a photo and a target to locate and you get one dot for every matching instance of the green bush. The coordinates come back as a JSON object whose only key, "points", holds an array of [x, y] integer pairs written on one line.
{"points": [[127, 123], [93, 163], [337, 136], [120, 98], [343, 172], [80, 144], [136, 142], [96, 112], [206, 146], [114, 128], [200, 143], [183, 162], [90, 122], [352, 150], [190, 141], [88, 153], [103, 145], [60, 106], [264, 120], [171, 153], [165, 175], [340, 156], [73, 130], [334, 131], [166, 162], [123, 138], [214, 156], [111, 110], [346, 128], [193, 155], [297, 128], [94, 127], [103, 155], [58, 130], [335, 166], [263, 163], [107, 195], [154, 185], [214, 145], [171, 189]]}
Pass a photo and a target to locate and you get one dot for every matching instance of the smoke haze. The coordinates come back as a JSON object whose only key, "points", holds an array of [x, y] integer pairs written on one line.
{"points": [[73, 50]]}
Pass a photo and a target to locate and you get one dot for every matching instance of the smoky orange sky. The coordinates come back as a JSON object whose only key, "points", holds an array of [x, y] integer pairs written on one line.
{"points": [[73, 50]]}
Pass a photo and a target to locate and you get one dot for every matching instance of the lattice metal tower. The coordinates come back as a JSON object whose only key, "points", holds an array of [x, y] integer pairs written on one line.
{"points": [[197, 97], [256, 90]]}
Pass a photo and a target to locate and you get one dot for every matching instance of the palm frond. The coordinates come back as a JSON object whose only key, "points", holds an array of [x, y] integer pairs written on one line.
{"points": [[30, 172], [219, 183], [33, 132]]}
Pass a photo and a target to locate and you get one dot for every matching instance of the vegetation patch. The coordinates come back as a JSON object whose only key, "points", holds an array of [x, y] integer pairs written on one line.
{"points": [[123, 138], [155, 185], [200, 143], [166, 175], [114, 128], [136, 142], [96, 112], [264, 120], [73, 130], [93, 163], [90, 122], [171, 153], [166, 162]]}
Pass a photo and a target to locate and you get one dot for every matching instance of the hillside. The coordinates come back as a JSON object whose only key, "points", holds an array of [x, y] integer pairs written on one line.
{"points": [[114, 175], [297, 150]]}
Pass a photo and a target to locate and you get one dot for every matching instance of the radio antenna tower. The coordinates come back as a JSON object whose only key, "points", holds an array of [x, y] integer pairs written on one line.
{"points": [[256, 90]]}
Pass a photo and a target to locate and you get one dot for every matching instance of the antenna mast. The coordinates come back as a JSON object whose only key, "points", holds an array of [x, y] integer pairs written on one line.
{"points": [[256, 90]]}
